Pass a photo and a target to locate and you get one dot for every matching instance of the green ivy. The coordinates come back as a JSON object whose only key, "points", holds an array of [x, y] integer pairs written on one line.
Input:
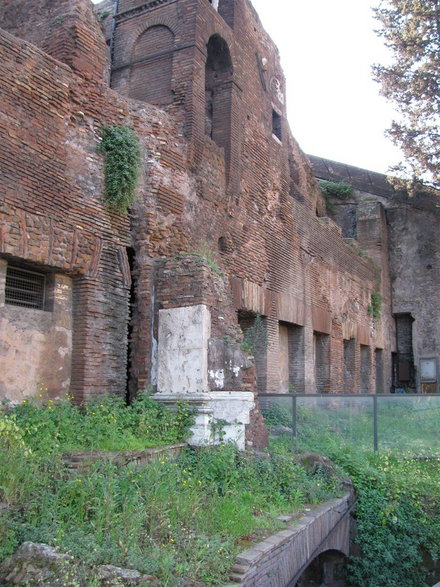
{"points": [[122, 159], [332, 190], [255, 337], [336, 189], [375, 308]]}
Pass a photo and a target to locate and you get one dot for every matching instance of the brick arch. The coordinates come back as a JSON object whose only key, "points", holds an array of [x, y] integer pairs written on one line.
{"points": [[328, 568], [152, 69], [152, 21]]}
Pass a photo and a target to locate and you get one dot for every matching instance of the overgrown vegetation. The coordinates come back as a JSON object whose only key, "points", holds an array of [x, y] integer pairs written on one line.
{"points": [[332, 190], [398, 508], [336, 189], [255, 337], [151, 518], [122, 159], [104, 424], [205, 254], [375, 308]]}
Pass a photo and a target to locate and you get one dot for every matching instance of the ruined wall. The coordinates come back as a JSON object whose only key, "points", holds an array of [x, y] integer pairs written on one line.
{"points": [[241, 195], [410, 255], [52, 216], [36, 345], [68, 31]]}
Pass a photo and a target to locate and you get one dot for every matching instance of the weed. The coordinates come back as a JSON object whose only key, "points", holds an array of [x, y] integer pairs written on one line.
{"points": [[375, 308], [204, 253], [332, 190], [398, 512], [153, 518], [255, 337], [103, 424], [336, 189], [122, 159]]}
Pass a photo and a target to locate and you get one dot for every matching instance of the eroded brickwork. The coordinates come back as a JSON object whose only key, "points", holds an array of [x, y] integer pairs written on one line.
{"points": [[399, 233], [227, 213]]}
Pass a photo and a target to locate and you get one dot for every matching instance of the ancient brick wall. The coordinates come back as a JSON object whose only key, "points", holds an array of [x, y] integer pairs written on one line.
{"points": [[246, 196], [68, 31], [400, 233], [52, 216]]}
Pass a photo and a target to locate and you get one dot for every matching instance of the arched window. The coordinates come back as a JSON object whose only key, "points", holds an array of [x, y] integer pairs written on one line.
{"points": [[218, 92], [152, 70]]}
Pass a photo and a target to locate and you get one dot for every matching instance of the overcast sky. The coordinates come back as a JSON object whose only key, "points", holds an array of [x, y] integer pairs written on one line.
{"points": [[327, 49]]}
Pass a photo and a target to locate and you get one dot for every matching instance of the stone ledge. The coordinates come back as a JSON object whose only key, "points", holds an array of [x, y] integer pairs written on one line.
{"points": [[81, 460], [269, 562]]}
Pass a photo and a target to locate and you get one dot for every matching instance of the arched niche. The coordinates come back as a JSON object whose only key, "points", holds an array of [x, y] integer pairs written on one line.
{"points": [[218, 92], [152, 69]]}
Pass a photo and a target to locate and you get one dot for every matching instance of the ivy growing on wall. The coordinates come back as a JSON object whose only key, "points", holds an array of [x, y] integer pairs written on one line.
{"points": [[334, 190], [375, 307], [122, 159]]}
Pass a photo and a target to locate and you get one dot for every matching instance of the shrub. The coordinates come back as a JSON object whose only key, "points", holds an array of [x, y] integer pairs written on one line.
{"points": [[122, 159]]}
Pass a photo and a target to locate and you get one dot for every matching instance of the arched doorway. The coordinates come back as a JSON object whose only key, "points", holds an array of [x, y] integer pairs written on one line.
{"points": [[329, 569]]}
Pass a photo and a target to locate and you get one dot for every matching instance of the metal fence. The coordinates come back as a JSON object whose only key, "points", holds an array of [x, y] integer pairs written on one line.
{"points": [[407, 422]]}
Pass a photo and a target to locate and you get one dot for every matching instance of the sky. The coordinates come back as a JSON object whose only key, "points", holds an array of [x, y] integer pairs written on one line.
{"points": [[327, 49]]}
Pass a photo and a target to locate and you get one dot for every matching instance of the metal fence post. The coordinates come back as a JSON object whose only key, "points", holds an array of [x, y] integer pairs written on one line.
{"points": [[294, 432], [375, 431]]}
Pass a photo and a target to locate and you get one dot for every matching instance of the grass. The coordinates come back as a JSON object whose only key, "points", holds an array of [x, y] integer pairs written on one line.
{"points": [[398, 509], [182, 520], [106, 424], [406, 424]]}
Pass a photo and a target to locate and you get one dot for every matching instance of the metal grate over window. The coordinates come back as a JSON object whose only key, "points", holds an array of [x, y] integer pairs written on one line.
{"points": [[25, 288]]}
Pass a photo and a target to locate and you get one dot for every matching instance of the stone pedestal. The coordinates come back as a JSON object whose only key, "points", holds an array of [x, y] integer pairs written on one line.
{"points": [[184, 335]]}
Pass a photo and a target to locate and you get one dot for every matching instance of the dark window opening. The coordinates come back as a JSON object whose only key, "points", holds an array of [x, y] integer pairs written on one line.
{"points": [[349, 365], [254, 328], [276, 125], [25, 288], [322, 362], [403, 361], [218, 93], [291, 358], [365, 355], [222, 244], [380, 386], [130, 390]]}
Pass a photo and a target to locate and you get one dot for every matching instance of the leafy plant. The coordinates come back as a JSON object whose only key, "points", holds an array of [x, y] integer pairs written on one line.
{"points": [[103, 424], [205, 254], [332, 190], [336, 189], [255, 337], [122, 159], [153, 518], [397, 512], [277, 415], [375, 308]]}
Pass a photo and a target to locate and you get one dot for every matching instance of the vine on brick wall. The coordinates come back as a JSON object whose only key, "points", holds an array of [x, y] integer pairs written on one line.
{"points": [[375, 308], [332, 190], [122, 159]]}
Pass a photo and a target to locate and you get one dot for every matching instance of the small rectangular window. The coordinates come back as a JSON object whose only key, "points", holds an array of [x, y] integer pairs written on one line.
{"points": [[276, 124], [25, 288]]}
